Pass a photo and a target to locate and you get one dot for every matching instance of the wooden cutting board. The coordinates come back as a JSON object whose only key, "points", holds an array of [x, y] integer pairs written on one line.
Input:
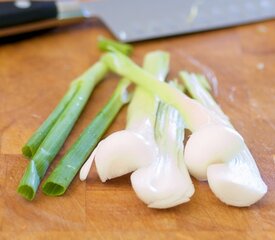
{"points": [[35, 73]]}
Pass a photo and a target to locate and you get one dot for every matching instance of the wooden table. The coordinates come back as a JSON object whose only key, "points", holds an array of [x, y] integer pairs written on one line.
{"points": [[35, 73]]}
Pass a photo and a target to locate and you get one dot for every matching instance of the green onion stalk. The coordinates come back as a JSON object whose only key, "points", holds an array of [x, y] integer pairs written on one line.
{"points": [[194, 114], [105, 44], [199, 91], [56, 128], [59, 180], [165, 182], [229, 167], [30, 148]]}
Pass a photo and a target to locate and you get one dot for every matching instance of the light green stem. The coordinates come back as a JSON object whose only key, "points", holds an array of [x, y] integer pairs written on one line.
{"points": [[188, 108], [142, 109], [197, 86], [169, 130]]}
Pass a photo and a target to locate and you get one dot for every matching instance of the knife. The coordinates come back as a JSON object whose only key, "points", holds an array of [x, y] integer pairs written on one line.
{"points": [[131, 21]]}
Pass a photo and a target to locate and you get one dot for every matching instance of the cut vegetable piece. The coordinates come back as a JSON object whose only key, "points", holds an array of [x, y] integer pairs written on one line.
{"points": [[29, 182], [84, 171], [63, 174], [60, 130], [105, 44], [166, 182], [125, 151], [37, 138], [193, 113], [236, 182], [122, 152]]}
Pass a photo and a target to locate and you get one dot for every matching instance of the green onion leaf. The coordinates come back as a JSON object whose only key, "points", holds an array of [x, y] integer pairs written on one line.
{"points": [[193, 113], [105, 44], [59, 131], [37, 138], [63, 174]]}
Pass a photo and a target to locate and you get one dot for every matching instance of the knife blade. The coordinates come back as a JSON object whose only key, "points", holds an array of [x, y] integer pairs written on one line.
{"points": [[131, 21]]}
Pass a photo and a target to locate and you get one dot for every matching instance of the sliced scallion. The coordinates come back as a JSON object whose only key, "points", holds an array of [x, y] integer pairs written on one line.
{"points": [[58, 133], [63, 174], [30, 148]]}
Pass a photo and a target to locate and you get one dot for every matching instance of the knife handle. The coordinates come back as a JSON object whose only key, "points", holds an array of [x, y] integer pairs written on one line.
{"points": [[24, 16], [22, 12]]}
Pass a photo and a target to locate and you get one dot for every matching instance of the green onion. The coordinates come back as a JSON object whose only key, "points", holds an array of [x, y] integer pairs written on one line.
{"points": [[198, 87], [198, 91], [59, 131], [126, 150], [37, 138], [165, 182], [143, 106], [63, 174], [193, 113], [169, 127], [105, 44], [236, 182], [204, 82]]}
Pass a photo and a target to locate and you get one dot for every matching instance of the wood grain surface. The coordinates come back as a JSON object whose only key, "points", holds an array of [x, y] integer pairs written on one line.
{"points": [[34, 75]]}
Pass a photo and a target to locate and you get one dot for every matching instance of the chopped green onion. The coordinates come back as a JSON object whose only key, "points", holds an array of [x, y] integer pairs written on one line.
{"points": [[59, 131], [29, 182], [63, 174], [37, 138], [105, 44]]}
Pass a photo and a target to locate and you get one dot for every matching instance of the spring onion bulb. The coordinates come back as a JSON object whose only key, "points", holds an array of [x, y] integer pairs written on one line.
{"points": [[219, 154], [165, 182], [211, 144], [127, 150]]}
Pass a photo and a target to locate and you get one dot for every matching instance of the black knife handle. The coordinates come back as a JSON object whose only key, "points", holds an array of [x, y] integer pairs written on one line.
{"points": [[16, 13]]}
